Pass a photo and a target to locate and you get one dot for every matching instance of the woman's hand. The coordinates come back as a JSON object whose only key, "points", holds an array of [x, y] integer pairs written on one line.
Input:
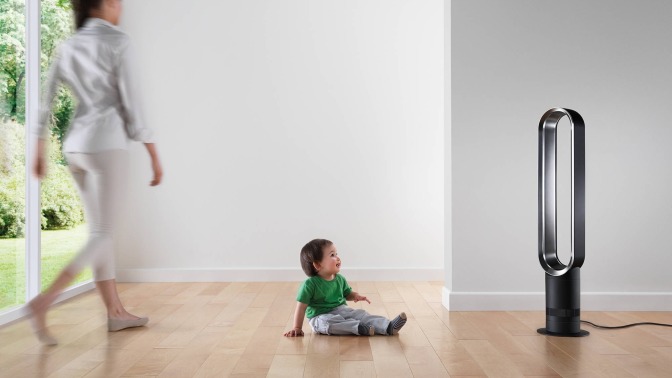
{"points": [[40, 164], [156, 164], [296, 332], [158, 172]]}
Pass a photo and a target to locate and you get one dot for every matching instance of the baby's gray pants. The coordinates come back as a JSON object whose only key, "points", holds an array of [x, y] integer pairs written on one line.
{"points": [[344, 320]]}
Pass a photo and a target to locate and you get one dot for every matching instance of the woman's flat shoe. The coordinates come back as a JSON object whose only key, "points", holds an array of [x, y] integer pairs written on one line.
{"points": [[114, 325]]}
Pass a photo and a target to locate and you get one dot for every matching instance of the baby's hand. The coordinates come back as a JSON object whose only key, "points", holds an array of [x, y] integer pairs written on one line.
{"points": [[296, 332], [361, 298]]}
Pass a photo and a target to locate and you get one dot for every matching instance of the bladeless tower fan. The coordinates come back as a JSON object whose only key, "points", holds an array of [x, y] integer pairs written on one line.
{"points": [[563, 284]]}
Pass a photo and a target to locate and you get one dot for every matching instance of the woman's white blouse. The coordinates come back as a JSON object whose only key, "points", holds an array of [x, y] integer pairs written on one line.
{"points": [[96, 63]]}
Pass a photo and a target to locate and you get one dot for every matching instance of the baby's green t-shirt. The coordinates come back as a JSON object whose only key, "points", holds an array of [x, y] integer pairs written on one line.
{"points": [[321, 295]]}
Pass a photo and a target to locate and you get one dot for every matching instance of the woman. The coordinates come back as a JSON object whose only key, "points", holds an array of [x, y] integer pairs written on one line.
{"points": [[94, 63]]}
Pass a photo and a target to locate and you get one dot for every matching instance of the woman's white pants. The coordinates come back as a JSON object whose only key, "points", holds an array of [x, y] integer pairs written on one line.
{"points": [[100, 179]]}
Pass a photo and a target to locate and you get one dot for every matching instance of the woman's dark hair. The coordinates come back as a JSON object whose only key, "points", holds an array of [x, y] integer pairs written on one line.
{"points": [[82, 9], [312, 252]]}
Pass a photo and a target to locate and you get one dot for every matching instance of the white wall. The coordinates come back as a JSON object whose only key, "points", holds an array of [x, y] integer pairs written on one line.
{"points": [[283, 121], [610, 61]]}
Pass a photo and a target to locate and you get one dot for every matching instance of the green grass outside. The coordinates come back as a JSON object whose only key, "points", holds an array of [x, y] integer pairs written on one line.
{"points": [[58, 247]]}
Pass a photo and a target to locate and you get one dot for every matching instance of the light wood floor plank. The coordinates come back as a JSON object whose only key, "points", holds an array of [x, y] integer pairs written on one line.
{"points": [[433, 328], [250, 364], [322, 365], [287, 366], [388, 292], [424, 362], [460, 326], [217, 365], [267, 294], [115, 363], [357, 369], [153, 363], [366, 287], [192, 357], [491, 360], [388, 357], [265, 340], [353, 348], [431, 292]]}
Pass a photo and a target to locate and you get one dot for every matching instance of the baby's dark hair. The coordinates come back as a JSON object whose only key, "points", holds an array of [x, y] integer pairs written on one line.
{"points": [[312, 252]]}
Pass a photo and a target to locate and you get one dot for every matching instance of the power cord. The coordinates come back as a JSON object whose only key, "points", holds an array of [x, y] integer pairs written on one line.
{"points": [[627, 325]]}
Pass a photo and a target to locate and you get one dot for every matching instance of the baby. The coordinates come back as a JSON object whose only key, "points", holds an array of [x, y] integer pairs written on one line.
{"points": [[323, 295]]}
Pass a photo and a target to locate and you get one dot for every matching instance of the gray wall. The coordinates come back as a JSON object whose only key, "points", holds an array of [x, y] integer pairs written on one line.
{"points": [[511, 61]]}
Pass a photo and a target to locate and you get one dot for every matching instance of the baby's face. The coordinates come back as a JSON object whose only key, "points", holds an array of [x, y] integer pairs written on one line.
{"points": [[331, 263]]}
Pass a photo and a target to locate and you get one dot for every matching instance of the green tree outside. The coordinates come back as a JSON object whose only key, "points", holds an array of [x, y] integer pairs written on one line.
{"points": [[12, 59]]}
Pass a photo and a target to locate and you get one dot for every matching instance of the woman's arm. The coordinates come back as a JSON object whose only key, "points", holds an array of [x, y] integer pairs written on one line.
{"points": [[44, 117], [129, 93], [299, 314], [51, 89]]}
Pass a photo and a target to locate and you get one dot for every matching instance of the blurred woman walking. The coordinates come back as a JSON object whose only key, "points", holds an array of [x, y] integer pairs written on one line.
{"points": [[96, 64]]}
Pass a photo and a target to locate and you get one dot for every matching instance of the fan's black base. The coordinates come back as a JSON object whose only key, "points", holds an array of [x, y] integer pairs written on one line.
{"points": [[581, 333]]}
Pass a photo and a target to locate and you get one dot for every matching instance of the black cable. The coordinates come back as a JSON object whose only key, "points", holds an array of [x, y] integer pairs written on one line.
{"points": [[627, 325]]}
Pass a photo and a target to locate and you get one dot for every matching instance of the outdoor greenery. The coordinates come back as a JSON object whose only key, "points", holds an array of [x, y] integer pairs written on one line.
{"points": [[12, 188], [58, 247], [12, 59], [61, 208]]}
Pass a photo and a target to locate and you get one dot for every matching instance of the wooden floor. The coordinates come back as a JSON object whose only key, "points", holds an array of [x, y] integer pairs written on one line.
{"points": [[235, 329]]}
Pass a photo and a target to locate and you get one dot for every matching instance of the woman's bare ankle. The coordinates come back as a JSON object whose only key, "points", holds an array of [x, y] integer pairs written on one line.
{"points": [[38, 306], [121, 314]]}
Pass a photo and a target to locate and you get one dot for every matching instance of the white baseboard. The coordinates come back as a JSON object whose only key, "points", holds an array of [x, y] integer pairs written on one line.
{"points": [[521, 301], [272, 274], [19, 312]]}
